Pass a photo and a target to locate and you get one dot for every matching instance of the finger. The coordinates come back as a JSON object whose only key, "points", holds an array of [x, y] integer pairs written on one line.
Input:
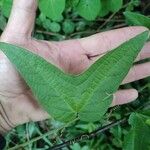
{"points": [[138, 72], [124, 96], [39, 115], [145, 52], [21, 20], [103, 42]]}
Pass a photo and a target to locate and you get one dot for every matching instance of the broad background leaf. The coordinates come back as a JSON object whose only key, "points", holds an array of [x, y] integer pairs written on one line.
{"points": [[137, 19], [110, 6], [105, 8], [86, 96], [6, 7], [115, 5], [2, 22], [52, 8], [138, 137], [88, 9]]}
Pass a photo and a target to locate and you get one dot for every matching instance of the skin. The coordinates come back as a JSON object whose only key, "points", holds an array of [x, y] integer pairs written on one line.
{"points": [[72, 56]]}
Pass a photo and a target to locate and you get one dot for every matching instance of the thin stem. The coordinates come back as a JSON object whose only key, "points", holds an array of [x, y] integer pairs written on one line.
{"points": [[108, 20], [119, 26], [42, 136], [87, 136], [144, 87], [83, 32], [48, 33], [101, 19]]}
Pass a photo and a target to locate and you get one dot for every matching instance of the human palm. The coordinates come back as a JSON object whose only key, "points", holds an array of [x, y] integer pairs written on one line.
{"points": [[72, 56]]}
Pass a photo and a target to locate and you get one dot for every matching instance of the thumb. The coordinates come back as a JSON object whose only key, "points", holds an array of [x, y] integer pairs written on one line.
{"points": [[21, 20]]}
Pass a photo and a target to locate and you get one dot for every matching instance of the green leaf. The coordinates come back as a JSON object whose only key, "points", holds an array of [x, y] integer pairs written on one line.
{"points": [[139, 136], [46, 23], [146, 113], [6, 7], [55, 27], [105, 8], [81, 25], [68, 26], [88, 9], [86, 96], [135, 2], [110, 6], [2, 22], [115, 5], [72, 3], [1, 2], [137, 19], [52, 8]]}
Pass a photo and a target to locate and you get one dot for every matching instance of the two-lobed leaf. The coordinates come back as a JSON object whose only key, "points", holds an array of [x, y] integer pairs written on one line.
{"points": [[86, 96]]}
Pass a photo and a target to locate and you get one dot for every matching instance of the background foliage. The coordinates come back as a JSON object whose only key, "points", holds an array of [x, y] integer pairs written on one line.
{"points": [[65, 19]]}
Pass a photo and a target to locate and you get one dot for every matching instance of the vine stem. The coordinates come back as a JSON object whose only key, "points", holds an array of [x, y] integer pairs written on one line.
{"points": [[42, 136], [87, 136], [144, 87], [111, 16]]}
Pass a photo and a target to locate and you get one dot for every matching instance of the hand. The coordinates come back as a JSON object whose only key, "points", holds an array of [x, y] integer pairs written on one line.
{"points": [[17, 104]]}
